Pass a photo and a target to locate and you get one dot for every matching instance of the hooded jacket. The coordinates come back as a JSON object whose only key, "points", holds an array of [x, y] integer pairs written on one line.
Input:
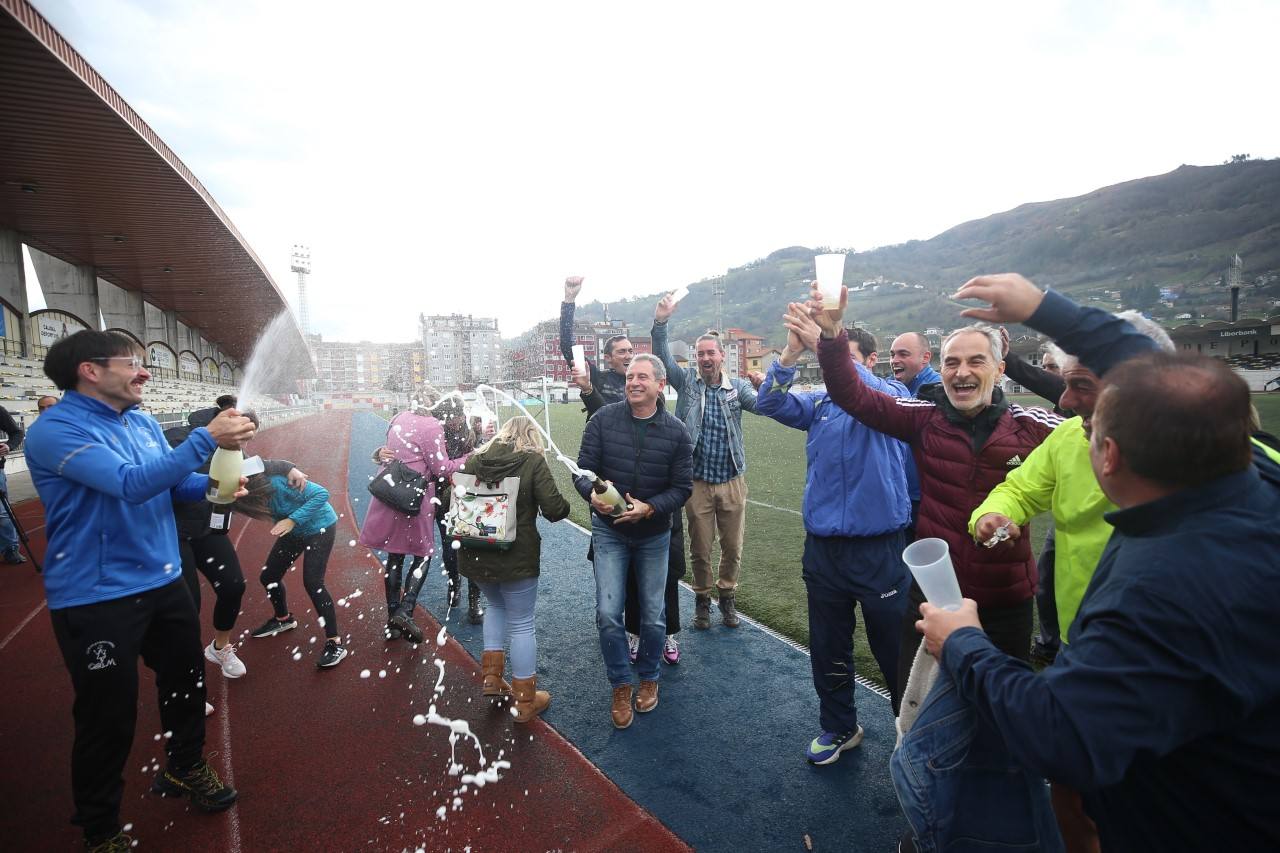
{"points": [[107, 480], [309, 509], [538, 494], [960, 461]]}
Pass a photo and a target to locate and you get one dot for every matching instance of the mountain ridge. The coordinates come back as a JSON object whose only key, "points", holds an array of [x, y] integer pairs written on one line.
{"points": [[1132, 244]]}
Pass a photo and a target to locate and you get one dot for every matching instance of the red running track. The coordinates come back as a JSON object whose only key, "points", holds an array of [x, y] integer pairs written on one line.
{"points": [[323, 760]]}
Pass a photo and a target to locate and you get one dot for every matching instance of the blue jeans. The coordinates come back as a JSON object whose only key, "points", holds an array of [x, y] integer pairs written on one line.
{"points": [[8, 535], [648, 556], [959, 788], [510, 614]]}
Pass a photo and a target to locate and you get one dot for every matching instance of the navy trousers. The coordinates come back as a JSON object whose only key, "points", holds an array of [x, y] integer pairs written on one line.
{"points": [[841, 572]]}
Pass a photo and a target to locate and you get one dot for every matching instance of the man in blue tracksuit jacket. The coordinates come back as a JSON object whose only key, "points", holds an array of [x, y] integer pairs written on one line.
{"points": [[856, 508], [113, 574], [1164, 710], [909, 357]]}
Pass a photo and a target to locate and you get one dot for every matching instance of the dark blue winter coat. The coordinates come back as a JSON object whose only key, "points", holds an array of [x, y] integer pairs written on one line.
{"points": [[660, 473]]}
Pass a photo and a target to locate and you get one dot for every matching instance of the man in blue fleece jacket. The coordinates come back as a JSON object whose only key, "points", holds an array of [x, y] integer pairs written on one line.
{"points": [[1165, 708], [113, 573], [856, 510]]}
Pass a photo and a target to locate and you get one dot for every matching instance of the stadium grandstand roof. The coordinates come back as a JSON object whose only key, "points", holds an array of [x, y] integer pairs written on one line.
{"points": [[85, 179]]}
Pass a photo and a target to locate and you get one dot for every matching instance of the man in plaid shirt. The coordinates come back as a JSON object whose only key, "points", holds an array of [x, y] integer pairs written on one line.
{"points": [[711, 404]]}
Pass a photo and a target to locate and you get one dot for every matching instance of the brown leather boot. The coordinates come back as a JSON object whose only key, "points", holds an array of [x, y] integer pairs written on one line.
{"points": [[621, 711], [530, 701], [647, 698], [492, 664], [702, 611], [728, 609]]}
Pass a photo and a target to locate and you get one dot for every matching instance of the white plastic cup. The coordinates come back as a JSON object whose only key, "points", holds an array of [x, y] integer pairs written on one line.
{"points": [[930, 563], [830, 272], [579, 359]]}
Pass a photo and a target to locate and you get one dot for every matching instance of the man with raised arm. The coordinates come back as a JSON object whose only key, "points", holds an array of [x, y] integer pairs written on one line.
{"points": [[856, 509], [965, 438], [610, 383], [1057, 477], [107, 479], [711, 405], [1164, 709]]}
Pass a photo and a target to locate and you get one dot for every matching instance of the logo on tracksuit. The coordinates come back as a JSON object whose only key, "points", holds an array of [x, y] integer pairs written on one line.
{"points": [[1015, 461], [101, 654]]}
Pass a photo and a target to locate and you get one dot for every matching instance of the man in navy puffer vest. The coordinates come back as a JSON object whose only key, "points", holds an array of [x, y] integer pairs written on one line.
{"points": [[645, 452]]}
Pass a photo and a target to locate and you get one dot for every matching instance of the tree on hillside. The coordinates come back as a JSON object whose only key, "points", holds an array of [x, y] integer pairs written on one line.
{"points": [[1236, 158], [1142, 296]]}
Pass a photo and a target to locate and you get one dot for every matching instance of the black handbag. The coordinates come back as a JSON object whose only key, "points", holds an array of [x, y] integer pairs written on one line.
{"points": [[399, 487]]}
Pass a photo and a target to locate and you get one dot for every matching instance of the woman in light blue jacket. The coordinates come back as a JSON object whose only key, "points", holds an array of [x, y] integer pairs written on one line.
{"points": [[306, 526]]}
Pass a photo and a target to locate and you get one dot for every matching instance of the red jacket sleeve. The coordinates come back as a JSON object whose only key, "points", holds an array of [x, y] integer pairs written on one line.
{"points": [[900, 417]]}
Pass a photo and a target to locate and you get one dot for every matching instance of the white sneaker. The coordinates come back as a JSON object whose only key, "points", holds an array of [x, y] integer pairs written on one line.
{"points": [[208, 709], [633, 646], [225, 657]]}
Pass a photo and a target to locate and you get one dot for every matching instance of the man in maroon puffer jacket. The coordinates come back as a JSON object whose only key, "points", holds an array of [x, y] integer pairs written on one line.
{"points": [[964, 440]]}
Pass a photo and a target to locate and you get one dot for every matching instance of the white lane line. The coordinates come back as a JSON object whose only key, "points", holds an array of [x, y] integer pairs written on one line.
{"points": [[224, 711], [778, 508], [800, 647], [233, 813], [21, 625]]}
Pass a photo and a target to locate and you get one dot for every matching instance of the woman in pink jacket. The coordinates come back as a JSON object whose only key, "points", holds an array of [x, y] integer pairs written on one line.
{"points": [[416, 438]]}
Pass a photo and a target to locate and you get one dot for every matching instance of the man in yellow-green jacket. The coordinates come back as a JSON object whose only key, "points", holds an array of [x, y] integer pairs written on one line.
{"points": [[1057, 476]]}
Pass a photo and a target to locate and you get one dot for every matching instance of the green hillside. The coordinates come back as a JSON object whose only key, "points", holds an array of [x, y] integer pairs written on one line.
{"points": [[1116, 245]]}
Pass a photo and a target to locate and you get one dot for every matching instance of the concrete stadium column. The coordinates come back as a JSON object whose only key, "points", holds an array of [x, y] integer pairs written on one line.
{"points": [[13, 278], [154, 322], [67, 287], [188, 338], [172, 331], [122, 309]]}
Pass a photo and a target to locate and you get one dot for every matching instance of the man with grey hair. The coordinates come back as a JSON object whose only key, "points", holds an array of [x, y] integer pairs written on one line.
{"points": [[644, 452], [711, 405], [965, 437]]}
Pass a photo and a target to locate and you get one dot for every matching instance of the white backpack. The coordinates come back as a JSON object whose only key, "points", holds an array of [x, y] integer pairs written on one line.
{"points": [[483, 515]]}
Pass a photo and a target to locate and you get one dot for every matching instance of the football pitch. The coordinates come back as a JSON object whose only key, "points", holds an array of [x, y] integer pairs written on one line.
{"points": [[770, 589]]}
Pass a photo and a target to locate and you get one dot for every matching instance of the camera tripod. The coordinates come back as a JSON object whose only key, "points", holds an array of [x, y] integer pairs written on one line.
{"points": [[17, 526]]}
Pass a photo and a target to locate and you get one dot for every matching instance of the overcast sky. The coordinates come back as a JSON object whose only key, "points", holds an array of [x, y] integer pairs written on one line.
{"points": [[440, 157]]}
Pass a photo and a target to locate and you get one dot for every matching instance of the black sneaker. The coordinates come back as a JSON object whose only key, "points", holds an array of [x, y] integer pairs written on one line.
{"points": [[201, 783], [332, 655], [406, 627], [275, 626], [118, 843], [392, 631], [14, 557]]}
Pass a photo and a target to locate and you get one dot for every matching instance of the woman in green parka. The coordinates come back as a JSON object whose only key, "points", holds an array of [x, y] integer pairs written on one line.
{"points": [[509, 579]]}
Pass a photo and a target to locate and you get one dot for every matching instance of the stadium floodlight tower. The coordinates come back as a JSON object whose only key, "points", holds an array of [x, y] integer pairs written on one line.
{"points": [[300, 263], [1233, 284]]}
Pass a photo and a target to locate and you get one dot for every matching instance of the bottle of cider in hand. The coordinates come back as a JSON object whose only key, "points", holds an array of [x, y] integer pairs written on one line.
{"points": [[224, 475], [609, 494]]}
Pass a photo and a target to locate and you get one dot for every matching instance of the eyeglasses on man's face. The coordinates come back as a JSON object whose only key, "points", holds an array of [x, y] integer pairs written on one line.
{"points": [[133, 362]]}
